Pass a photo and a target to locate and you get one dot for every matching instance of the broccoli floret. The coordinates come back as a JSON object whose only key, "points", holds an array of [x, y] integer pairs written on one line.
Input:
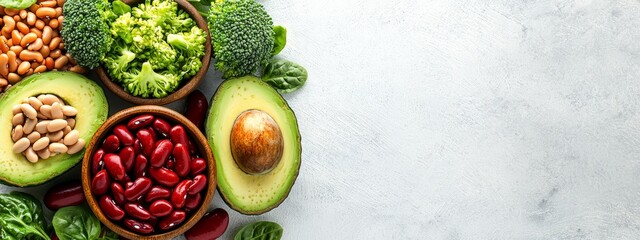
{"points": [[118, 65], [148, 83], [190, 43], [164, 14], [242, 36], [85, 31]]}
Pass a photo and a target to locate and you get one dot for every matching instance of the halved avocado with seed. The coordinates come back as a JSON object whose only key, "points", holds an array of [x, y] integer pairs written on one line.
{"points": [[75, 90], [256, 143]]}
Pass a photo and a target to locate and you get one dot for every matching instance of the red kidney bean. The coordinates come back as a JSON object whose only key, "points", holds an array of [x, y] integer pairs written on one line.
{"points": [[198, 165], [146, 140], [162, 126], [171, 163], [114, 166], [211, 226], [140, 121], [164, 176], [109, 208], [96, 162], [140, 167], [111, 144], [179, 194], [128, 157], [129, 184], [137, 146], [199, 183], [140, 187], [153, 133], [118, 193], [161, 153], [172, 220], [183, 160], [137, 211], [137, 226], [126, 138], [179, 135], [196, 109], [100, 183], [160, 208], [193, 201], [192, 148], [157, 192], [153, 220], [63, 195]]}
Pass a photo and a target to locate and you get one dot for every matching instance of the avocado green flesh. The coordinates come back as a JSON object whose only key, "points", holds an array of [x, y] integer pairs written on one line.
{"points": [[77, 91], [252, 194]]}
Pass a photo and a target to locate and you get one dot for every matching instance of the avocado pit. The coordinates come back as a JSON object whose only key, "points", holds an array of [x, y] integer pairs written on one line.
{"points": [[256, 142]]}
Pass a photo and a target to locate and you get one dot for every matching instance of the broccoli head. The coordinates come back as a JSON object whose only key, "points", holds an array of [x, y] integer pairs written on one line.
{"points": [[148, 83], [85, 31], [242, 36], [117, 65]]}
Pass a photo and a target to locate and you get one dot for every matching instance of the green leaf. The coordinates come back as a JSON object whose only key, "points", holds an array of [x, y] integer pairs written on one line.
{"points": [[120, 8], [285, 76], [280, 39], [260, 231], [76, 223], [21, 217], [17, 4]]}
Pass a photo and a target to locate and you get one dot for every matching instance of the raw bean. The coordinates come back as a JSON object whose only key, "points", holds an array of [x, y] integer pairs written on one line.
{"points": [[153, 133], [16, 49], [140, 166], [16, 37], [100, 183], [137, 226], [77, 68], [61, 62], [9, 24], [164, 176], [123, 134], [27, 55], [69, 111], [137, 211], [199, 183], [59, 11], [71, 138], [45, 12], [16, 109], [29, 125], [77, 147], [64, 195], [174, 219], [48, 99], [55, 136], [41, 117], [13, 78], [136, 146], [4, 59], [198, 165], [66, 131], [179, 194], [211, 226], [23, 14], [196, 108], [109, 208], [48, 62], [182, 160], [36, 46], [50, 3], [54, 43], [53, 23], [16, 133], [118, 193], [55, 53], [97, 161], [139, 188], [111, 144], [161, 153], [17, 119], [160, 208], [162, 126], [11, 58], [44, 153], [45, 110], [56, 125], [58, 148], [31, 18], [56, 111], [33, 137], [35, 103], [11, 11], [41, 127], [128, 158], [157, 192], [34, 8], [146, 140], [31, 155], [22, 27], [40, 69], [193, 201], [71, 122], [29, 111], [28, 38], [114, 166], [42, 143], [140, 122]]}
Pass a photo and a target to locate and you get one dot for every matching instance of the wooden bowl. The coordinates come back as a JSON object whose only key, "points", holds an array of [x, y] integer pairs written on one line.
{"points": [[196, 136], [187, 86]]}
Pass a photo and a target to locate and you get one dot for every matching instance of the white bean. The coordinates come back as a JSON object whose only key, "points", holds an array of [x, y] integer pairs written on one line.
{"points": [[17, 119], [55, 136], [58, 148], [76, 147], [44, 153], [29, 111], [35, 103], [33, 137], [71, 138], [56, 111], [29, 125], [69, 111], [56, 125], [46, 111], [42, 143], [71, 122], [41, 127], [21, 145], [31, 155], [16, 133]]}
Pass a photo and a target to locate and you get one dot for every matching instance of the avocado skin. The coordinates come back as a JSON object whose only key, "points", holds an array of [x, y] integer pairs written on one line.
{"points": [[298, 139], [74, 89]]}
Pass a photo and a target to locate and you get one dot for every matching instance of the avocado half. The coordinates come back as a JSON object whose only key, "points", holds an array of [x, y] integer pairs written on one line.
{"points": [[244, 192], [76, 90]]}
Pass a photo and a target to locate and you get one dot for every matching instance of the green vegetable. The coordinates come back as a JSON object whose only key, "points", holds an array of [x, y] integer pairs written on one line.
{"points": [[242, 36], [148, 83], [280, 39], [17, 4], [260, 230], [21, 217], [120, 8], [76, 223], [85, 31], [285, 76]]}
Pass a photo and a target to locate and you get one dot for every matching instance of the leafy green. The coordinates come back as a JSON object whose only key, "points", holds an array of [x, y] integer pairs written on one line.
{"points": [[17, 4], [280, 39], [285, 76], [120, 8], [21, 217], [260, 230], [76, 223]]}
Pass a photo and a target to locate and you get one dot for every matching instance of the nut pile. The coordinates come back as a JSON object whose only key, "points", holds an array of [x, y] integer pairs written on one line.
{"points": [[43, 127], [30, 42]]}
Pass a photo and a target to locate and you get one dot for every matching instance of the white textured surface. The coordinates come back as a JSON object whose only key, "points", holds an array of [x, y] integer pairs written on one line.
{"points": [[461, 120]]}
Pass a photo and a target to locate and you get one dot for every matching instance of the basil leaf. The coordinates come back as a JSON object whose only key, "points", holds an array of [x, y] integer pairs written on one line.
{"points": [[285, 76], [76, 223], [280, 39], [21, 217], [17, 4], [260, 230]]}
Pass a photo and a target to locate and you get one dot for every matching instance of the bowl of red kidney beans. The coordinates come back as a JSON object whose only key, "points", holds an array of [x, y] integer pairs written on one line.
{"points": [[148, 173]]}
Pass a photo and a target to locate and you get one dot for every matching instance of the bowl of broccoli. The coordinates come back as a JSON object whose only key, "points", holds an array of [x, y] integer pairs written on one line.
{"points": [[148, 52]]}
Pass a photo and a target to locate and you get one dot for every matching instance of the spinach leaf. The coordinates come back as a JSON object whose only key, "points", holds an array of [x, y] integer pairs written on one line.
{"points": [[21, 217], [285, 76], [120, 8], [280, 39], [17, 4], [260, 230], [76, 223], [107, 234]]}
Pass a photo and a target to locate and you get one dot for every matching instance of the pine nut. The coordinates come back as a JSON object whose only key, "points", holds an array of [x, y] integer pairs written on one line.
{"points": [[71, 138], [17, 119], [79, 145], [56, 111], [31, 155], [29, 111], [29, 125], [21, 145], [56, 125], [58, 148], [42, 143], [16, 133], [33, 137]]}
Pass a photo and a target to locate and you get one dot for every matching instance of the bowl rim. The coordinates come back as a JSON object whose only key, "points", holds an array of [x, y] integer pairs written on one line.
{"points": [[198, 138], [189, 86]]}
